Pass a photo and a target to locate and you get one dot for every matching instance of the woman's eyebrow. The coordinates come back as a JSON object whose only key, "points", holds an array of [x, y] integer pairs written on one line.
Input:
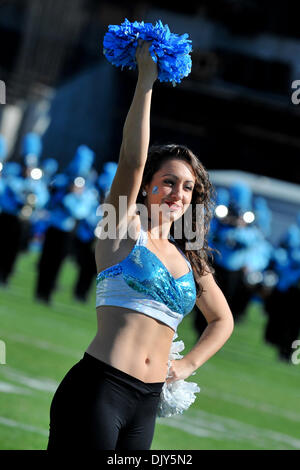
{"points": [[170, 174]]}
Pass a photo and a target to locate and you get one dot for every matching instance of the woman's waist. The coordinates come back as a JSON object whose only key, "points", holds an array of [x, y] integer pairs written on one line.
{"points": [[126, 346], [104, 369], [145, 366], [136, 345]]}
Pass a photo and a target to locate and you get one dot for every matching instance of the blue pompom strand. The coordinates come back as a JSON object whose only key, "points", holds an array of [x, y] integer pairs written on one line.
{"points": [[171, 50]]}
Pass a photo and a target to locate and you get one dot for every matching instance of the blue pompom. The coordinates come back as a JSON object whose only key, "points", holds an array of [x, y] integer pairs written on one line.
{"points": [[172, 50]]}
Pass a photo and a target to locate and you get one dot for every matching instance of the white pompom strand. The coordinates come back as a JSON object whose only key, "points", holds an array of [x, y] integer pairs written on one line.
{"points": [[177, 396]]}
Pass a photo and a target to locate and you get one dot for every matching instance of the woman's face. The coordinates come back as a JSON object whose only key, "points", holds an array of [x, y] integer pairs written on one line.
{"points": [[172, 187]]}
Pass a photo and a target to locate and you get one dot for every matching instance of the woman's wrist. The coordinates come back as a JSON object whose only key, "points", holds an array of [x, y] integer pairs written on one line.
{"points": [[147, 68], [190, 366], [145, 81]]}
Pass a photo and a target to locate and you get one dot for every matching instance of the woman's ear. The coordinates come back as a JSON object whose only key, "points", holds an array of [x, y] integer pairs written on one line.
{"points": [[145, 189]]}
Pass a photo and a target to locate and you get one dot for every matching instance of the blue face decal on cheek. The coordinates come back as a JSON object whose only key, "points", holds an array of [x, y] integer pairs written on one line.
{"points": [[155, 190]]}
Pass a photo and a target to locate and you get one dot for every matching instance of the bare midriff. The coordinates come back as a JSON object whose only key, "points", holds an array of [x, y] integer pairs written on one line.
{"points": [[133, 343], [129, 340]]}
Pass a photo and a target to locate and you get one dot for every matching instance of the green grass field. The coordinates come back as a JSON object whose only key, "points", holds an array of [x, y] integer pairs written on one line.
{"points": [[248, 399]]}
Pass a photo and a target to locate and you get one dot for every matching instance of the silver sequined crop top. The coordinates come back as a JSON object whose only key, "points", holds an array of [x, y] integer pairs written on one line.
{"points": [[141, 282]]}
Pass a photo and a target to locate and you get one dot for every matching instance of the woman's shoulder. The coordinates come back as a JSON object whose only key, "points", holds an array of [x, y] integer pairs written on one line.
{"points": [[113, 248]]}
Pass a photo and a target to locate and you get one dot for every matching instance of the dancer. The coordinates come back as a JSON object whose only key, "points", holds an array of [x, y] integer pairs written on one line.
{"points": [[69, 204], [145, 286]]}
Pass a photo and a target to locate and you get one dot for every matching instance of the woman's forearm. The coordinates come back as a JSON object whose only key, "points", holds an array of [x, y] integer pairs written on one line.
{"points": [[212, 339], [136, 131]]}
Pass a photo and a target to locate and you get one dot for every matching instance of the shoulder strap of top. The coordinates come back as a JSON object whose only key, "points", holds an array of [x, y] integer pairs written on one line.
{"points": [[142, 238], [189, 264]]}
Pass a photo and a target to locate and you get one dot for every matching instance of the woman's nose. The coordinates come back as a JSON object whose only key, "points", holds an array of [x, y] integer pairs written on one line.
{"points": [[177, 192]]}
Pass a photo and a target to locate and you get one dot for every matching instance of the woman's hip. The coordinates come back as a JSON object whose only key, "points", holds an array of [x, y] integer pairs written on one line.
{"points": [[91, 378]]}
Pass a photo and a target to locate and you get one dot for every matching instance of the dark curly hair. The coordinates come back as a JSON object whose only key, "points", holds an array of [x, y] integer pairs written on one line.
{"points": [[203, 193]]}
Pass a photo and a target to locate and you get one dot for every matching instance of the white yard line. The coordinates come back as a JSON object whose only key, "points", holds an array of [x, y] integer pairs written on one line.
{"points": [[6, 387], [41, 344], [24, 427], [204, 424], [243, 377], [42, 384], [20, 291], [257, 405], [290, 369]]}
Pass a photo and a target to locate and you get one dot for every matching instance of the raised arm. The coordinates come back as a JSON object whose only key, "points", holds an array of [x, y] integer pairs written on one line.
{"points": [[136, 134], [136, 131]]}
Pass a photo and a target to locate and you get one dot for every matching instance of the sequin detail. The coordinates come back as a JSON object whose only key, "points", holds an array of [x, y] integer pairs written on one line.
{"points": [[144, 273]]}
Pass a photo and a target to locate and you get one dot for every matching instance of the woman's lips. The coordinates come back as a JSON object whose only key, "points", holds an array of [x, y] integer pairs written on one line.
{"points": [[172, 205]]}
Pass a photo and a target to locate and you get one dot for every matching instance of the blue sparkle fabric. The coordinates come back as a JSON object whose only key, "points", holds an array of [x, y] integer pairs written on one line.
{"points": [[141, 282], [171, 51]]}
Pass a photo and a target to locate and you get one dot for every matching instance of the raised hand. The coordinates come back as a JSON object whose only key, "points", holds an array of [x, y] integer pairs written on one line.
{"points": [[146, 66]]}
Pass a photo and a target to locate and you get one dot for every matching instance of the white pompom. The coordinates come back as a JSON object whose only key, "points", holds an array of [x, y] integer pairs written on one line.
{"points": [[176, 397]]}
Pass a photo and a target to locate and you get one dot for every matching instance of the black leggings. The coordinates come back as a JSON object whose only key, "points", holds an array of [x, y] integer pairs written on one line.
{"points": [[99, 407]]}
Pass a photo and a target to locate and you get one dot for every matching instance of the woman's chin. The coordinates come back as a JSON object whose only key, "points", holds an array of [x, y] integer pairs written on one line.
{"points": [[172, 215]]}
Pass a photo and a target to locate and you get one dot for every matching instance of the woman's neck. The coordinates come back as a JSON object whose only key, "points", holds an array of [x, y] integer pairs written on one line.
{"points": [[159, 231]]}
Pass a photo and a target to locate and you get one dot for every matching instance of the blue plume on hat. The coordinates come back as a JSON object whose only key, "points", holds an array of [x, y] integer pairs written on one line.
{"points": [[295, 255], [3, 149], [31, 144], [240, 196], [12, 169], [260, 202], [263, 214], [49, 166], [280, 256], [104, 181], [82, 162], [31, 148], [61, 180], [222, 197], [110, 167], [292, 236], [106, 178]]}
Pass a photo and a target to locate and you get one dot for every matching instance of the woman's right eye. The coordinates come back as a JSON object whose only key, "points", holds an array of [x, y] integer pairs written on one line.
{"points": [[168, 181]]}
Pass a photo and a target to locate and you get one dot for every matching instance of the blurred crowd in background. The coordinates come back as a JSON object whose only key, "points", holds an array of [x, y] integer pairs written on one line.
{"points": [[56, 214]]}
